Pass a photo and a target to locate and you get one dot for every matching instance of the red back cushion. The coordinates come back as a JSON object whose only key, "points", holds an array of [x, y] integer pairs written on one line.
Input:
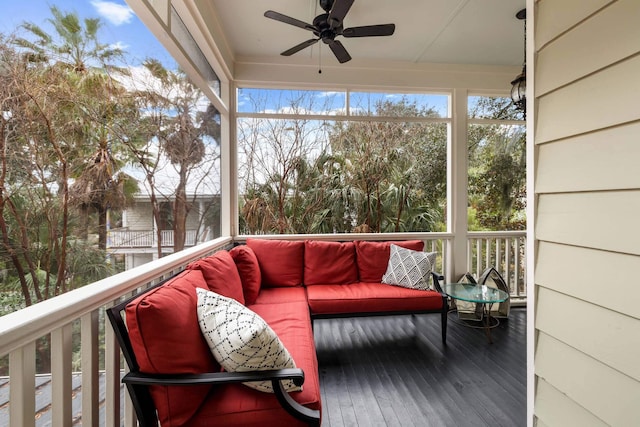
{"points": [[249, 271], [281, 261], [221, 274], [166, 338], [373, 257], [329, 263]]}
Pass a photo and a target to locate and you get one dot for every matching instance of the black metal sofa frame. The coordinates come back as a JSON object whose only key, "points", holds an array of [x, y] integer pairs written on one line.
{"points": [[138, 383]]}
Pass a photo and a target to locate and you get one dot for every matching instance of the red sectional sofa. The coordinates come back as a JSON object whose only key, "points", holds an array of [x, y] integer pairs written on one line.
{"points": [[174, 378]]}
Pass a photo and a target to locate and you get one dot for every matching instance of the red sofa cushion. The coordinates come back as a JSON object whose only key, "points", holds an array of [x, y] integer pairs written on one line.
{"points": [[166, 338], [239, 405], [372, 257], [281, 295], [329, 262], [369, 298], [281, 261], [249, 271], [221, 274]]}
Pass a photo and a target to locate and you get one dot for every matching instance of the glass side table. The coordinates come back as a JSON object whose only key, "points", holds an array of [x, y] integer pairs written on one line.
{"points": [[481, 294]]}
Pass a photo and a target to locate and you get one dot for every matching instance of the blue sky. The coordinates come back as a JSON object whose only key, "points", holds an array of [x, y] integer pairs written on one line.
{"points": [[120, 25]]}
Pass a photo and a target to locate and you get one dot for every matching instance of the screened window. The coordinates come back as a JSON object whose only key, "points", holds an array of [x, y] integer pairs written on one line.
{"points": [[497, 165], [307, 165]]}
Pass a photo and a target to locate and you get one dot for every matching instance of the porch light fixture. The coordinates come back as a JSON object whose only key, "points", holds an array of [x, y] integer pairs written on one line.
{"points": [[519, 84]]}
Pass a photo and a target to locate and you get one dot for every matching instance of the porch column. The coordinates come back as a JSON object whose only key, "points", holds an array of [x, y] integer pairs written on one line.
{"points": [[457, 187], [229, 169]]}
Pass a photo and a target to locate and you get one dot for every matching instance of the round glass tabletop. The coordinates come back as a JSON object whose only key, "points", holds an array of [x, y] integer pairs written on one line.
{"points": [[474, 293]]}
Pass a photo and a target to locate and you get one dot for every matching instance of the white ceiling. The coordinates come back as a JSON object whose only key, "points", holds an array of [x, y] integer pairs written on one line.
{"points": [[482, 32]]}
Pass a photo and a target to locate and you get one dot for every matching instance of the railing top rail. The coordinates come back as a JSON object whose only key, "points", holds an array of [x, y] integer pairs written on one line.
{"points": [[351, 236], [24, 326], [495, 234]]}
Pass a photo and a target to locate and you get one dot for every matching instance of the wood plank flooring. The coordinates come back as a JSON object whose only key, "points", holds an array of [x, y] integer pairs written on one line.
{"points": [[394, 371]]}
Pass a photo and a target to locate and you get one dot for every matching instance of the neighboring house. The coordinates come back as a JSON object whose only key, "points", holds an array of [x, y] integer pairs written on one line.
{"points": [[136, 237]]}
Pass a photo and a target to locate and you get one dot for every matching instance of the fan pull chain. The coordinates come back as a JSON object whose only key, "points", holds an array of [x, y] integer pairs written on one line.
{"points": [[319, 58]]}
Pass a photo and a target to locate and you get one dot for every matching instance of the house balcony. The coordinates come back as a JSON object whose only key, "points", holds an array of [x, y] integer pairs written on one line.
{"points": [[123, 240], [467, 382]]}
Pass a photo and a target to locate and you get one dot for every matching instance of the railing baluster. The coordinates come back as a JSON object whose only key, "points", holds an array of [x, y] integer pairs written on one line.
{"points": [[130, 419], [112, 378], [498, 264], [478, 257], [516, 266], [507, 258], [22, 395], [487, 258], [61, 353], [90, 365]]}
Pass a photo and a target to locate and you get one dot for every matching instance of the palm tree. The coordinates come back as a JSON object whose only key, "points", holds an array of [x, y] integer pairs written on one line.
{"points": [[183, 132], [74, 46], [75, 49]]}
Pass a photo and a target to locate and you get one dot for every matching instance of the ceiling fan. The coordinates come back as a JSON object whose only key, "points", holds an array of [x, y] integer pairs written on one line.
{"points": [[329, 25]]}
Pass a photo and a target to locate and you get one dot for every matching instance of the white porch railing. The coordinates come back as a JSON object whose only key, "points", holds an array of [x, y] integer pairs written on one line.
{"points": [[20, 332], [146, 238], [504, 250], [55, 318]]}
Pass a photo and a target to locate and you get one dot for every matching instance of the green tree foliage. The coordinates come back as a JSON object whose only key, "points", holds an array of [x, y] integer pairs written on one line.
{"points": [[59, 132], [497, 168], [100, 106], [174, 127], [396, 170], [356, 176]]}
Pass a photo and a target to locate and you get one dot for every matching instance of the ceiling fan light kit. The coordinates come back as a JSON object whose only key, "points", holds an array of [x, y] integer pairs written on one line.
{"points": [[328, 26]]}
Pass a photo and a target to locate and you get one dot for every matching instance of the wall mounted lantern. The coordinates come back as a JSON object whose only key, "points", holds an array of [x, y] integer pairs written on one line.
{"points": [[519, 84]]}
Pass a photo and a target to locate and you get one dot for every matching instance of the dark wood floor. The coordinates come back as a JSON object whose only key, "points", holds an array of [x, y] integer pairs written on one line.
{"points": [[376, 371]]}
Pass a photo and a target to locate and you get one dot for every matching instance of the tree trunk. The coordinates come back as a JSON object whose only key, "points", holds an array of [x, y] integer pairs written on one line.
{"points": [[180, 214], [102, 227]]}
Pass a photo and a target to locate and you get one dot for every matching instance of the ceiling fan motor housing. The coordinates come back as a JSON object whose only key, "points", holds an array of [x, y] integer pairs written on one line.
{"points": [[324, 31], [327, 26]]}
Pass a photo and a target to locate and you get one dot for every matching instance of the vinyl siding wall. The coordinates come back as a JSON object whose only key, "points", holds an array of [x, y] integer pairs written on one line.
{"points": [[587, 222]]}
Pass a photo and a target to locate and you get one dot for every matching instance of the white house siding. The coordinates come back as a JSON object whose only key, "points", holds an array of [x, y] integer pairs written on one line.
{"points": [[587, 222], [140, 216]]}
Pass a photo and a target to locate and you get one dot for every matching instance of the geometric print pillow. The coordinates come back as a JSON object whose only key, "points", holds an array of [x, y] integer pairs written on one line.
{"points": [[409, 269], [240, 340]]}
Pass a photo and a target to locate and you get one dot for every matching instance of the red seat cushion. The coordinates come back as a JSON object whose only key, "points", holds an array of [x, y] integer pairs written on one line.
{"points": [[221, 274], [369, 298], [166, 338], [282, 294], [249, 271], [238, 405], [372, 257], [281, 261], [329, 262]]}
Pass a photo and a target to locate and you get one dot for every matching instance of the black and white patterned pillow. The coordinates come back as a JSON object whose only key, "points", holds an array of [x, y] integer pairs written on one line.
{"points": [[409, 269], [241, 340]]}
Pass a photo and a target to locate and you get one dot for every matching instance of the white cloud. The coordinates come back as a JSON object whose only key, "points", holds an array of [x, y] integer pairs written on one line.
{"points": [[119, 45], [115, 13]]}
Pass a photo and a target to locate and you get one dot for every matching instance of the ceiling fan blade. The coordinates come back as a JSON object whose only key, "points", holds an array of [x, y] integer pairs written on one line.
{"points": [[299, 47], [338, 12], [339, 51], [288, 20], [370, 31]]}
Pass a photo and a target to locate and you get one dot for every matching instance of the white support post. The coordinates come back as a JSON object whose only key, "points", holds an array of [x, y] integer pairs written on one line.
{"points": [[112, 374], [61, 353], [457, 186], [90, 364], [22, 395], [229, 169]]}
